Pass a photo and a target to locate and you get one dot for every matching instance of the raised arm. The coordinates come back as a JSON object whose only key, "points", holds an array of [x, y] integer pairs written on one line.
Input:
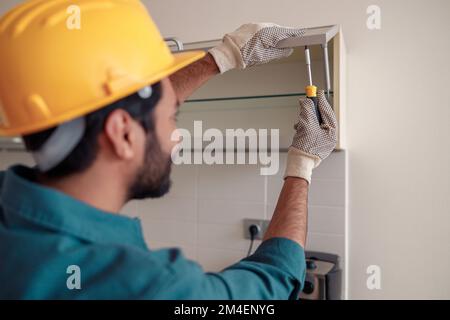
{"points": [[290, 219], [251, 44], [311, 144], [189, 79]]}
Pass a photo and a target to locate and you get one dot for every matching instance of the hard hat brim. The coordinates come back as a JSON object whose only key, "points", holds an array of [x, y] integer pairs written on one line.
{"points": [[181, 60]]}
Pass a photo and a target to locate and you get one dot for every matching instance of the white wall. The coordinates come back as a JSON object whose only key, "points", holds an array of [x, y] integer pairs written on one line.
{"points": [[397, 121]]}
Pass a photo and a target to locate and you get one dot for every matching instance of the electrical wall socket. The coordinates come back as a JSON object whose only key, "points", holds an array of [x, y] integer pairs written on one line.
{"points": [[262, 224]]}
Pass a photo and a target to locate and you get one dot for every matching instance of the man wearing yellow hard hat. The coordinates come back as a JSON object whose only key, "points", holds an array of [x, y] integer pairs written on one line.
{"points": [[96, 108]]}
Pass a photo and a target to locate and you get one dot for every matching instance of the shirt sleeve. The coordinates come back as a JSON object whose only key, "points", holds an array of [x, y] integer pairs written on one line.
{"points": [[276, 271]]}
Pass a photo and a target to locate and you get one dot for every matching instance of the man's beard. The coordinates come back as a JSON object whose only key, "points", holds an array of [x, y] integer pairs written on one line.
{"points": [[153, 178]]}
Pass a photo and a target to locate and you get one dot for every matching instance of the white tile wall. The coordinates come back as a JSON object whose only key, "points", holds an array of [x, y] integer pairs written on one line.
{"points": [[228, 212], [231, 182], [208, 216], [203, 213]]}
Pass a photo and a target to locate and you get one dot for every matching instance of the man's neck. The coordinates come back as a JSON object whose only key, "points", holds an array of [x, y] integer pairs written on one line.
{"points": [[95, 189]]}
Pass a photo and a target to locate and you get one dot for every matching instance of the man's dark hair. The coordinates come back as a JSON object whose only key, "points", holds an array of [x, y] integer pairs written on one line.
{"points": [[86, 151]]}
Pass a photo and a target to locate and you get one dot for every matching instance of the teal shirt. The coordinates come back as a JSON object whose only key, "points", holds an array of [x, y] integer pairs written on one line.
{"points": [[43, 232]]}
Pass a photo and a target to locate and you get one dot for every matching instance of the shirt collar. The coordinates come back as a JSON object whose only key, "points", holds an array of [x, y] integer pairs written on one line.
{"points": [[55, 210]]}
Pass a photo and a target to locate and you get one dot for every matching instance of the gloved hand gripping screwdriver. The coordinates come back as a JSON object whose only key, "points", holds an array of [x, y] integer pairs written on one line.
{"points": [[311, 90]]}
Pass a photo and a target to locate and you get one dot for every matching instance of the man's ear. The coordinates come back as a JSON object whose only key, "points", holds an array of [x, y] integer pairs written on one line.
{"points": [[121, 131]]}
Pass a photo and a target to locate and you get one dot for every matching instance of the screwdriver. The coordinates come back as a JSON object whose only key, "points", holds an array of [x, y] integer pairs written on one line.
{"points": [[311, 90]]}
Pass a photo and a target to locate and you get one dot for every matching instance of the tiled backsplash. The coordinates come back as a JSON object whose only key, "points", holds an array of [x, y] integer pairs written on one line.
{"points": [[203, 213]]}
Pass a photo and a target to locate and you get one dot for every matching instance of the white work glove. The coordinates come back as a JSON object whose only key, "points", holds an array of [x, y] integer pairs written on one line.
{"points": [[252, 44], [313, 142]]}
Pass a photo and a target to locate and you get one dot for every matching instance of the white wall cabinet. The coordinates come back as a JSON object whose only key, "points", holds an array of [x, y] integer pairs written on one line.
{"points": [[266, 96]]}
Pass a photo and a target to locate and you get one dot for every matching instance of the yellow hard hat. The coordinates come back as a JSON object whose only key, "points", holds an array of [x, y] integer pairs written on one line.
{"points": [[62, 59]]}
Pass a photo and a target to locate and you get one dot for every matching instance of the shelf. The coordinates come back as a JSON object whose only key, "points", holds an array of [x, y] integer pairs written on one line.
{"points": [[311, 37], [247, 97], [243, 103], [297, 56], [270, 96]]}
